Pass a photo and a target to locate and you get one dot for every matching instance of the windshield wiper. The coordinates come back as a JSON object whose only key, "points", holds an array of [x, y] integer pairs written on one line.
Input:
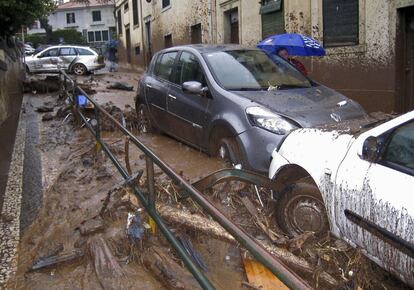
{"points": [[288, 86], [246, 89]]}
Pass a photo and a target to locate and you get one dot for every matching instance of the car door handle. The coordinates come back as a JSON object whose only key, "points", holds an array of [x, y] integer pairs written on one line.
{"points": [[149, 86], [172, 97]]}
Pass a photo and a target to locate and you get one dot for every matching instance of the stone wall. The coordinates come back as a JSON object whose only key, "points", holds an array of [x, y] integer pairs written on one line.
{"points": [[11, 77]]}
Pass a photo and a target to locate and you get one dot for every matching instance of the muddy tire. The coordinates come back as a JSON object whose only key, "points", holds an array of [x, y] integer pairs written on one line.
{"points": [[302, 209], [228, 150], [79, 69], [144, 121]]}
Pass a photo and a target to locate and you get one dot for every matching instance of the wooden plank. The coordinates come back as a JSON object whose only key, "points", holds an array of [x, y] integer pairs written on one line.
{"points": [[259, 276]]}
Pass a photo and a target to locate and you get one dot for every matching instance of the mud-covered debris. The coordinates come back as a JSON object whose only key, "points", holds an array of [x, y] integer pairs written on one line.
{"points": [[120, 86], [107, 268], [41, 84], [169, 272], [53, 260], [62, 112], [194, 254], [296, 243], [91, 226], [114, 111], [135, 229], [47, 117], [44, 109], [87, 88]]}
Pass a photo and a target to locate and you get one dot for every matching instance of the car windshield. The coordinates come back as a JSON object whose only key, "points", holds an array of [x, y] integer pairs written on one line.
{"points": [[253, 70]]}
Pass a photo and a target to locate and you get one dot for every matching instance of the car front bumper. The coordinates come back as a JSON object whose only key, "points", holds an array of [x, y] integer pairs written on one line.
{"points": [[257, 146]]}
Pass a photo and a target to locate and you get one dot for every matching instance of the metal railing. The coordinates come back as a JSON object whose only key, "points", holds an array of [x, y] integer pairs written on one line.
{"points": [[289, 278]]}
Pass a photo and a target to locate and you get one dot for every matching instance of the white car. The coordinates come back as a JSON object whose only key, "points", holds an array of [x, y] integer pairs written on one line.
{"points": [[28, 49], [74, 59], [360, 186]]}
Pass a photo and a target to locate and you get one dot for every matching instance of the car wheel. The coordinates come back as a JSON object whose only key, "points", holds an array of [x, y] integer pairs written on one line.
{"points": [[229, 150], [301, 209], [144, 121], [79, 69]]}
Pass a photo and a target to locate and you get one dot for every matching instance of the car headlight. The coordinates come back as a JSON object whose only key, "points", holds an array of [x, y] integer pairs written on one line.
{"points": [[269, 121]]}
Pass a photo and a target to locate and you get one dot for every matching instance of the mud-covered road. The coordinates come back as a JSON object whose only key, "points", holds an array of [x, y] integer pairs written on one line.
{"points": [[79, 186]]}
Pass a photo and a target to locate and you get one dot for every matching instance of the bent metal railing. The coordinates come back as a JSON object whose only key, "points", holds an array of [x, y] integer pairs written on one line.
{"points": [[289, 278]]}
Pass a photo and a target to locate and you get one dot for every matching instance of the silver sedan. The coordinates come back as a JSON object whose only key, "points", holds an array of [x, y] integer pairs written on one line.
{"points": [[75, 59]]}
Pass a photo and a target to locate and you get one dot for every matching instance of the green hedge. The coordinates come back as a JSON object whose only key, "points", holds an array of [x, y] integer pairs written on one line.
{"points": [[70, 36]]}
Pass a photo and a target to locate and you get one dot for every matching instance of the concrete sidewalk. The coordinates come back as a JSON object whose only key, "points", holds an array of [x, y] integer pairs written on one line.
{"points": [[10, 212]]}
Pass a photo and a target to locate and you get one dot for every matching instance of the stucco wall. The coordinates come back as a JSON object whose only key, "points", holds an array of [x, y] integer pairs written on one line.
{"points": [[250, 29], [365, 72], [177, 20], [83, 19], [137, 60]]}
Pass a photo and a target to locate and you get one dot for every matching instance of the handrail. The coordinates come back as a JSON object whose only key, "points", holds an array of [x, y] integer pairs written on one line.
{"points": [[289, 278]]}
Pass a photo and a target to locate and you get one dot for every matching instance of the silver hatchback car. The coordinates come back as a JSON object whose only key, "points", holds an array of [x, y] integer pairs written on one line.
{"points": [[75, 59]]}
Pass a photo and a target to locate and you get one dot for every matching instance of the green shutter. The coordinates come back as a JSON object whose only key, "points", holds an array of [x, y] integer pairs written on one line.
{"points": [[273, 23]]}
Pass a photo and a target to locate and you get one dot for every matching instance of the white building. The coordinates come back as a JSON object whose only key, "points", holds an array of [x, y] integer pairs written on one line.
{"points": [[96, 21]]}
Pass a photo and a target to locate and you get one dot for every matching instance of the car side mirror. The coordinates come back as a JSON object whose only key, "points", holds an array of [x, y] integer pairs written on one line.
{"points": [[194, 87], [371, 149]]}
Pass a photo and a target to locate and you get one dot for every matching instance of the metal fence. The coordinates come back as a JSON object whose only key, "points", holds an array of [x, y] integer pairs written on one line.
{"points": [[147, 200]]}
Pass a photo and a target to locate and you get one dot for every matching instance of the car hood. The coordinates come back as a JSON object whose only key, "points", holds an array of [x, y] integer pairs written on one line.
{"points": [[307, 106]]}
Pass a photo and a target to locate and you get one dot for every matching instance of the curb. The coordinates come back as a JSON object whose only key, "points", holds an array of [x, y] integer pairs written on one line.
{"points": [[10, 213]]}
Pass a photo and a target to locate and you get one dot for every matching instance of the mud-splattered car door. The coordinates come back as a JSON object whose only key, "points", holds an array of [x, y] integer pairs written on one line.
{"points": [[66, 57], [381, 192], [187, 111], [47, 61]]}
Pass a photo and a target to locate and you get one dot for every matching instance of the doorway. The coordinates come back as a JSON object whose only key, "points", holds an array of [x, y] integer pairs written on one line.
{"points": [[196, 34], [128, 44], [405, 59], [148, 40], [231, 28]]}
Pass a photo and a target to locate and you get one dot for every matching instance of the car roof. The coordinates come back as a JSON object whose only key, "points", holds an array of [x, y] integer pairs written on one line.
{"points": [[209, 48], [68, 45]]}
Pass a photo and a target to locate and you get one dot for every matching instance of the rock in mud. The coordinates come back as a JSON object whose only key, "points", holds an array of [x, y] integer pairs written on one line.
{"points": [[47, 117]]}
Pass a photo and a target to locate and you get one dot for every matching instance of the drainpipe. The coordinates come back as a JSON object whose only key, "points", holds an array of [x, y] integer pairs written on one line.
{"points": [[210, 22], [144, 50]]}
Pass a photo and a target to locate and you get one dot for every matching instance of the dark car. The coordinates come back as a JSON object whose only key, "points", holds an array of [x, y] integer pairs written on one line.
{"points": [[232, 101]]}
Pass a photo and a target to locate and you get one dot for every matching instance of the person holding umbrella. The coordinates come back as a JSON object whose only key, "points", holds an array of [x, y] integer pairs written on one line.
{"points": [[283, 53], [287, 44]]}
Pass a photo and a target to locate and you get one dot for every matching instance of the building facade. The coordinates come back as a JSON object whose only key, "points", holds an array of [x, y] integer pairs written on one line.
{"points": [[369, 43], [95, 20]]}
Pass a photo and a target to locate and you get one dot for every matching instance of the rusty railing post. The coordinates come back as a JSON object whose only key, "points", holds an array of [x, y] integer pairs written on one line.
{"points": [[150, 181]]}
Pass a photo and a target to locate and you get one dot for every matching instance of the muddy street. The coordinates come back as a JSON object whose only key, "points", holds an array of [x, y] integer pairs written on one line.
{"points": [[78, 217]]}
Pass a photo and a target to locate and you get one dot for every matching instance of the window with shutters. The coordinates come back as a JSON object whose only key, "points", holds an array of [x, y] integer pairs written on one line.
{"points": [[70, 18], [119, 19], [340, 22], [96, 16], [273, 18], [165, 3], [135, 15]]}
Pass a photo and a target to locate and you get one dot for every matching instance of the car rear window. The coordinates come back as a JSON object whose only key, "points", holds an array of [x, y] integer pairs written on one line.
{"points": [[163, 67], [84, 51]]}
